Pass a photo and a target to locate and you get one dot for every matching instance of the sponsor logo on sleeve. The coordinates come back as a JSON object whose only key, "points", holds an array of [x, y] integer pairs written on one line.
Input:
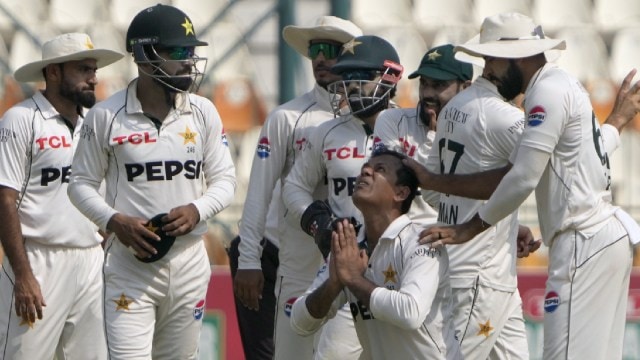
{"points": [[225, 141], [6, 135], [536, 116], [288, 306], [264, 148]]}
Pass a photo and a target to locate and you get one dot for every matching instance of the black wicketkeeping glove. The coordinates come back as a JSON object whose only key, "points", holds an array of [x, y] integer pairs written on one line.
{"points": [[162, 246], [319, 221]]}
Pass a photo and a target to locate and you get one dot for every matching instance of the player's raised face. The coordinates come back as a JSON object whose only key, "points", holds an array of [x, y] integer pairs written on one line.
{"points": [[376, 184]]}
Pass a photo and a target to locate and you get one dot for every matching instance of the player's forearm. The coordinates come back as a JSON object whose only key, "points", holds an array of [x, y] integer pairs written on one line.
{"points": [[474, 186], [90, 203], [11, 233], [296, 199], [219, 193], [610, 138], [320, 300], [361, 288]]}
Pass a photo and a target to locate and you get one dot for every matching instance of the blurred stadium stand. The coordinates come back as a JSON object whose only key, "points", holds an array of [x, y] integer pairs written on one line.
{"points": [[603, 39]]}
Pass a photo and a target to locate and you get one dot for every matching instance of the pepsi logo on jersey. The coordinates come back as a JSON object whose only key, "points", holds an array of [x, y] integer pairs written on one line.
{"points": [[164, 170], [536, 116], [264, 148], [49, 175]]}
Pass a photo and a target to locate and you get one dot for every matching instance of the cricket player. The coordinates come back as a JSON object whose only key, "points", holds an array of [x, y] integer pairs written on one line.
{"points": [[159, 149], [397, 289], [370, 70], [412, 131], [259, 292], [563, 157], [51, 278]]}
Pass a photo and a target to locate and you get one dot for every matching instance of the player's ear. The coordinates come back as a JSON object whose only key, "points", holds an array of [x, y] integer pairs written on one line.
{"points": [[402, 193]]}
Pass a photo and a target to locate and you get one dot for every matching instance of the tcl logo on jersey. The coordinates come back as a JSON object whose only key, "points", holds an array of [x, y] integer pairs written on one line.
{"points": [[301, 144], [50, 175], [362, 309], [164, 170], [340, 184], [135, 139], [264, 148], [53, 142], [344, 153], [537, 114]]}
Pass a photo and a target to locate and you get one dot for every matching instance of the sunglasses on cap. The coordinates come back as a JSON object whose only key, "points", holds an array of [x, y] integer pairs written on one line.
{"points": [[329, 51], [359, 75], [179, 53]]}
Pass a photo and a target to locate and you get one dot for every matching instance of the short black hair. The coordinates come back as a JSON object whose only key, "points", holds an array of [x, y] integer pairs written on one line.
{"points": [[405, 175]]}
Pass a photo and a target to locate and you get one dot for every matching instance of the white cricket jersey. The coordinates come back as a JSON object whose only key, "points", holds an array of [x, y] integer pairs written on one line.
{"points": [[151, 168], [403, 131], [410, 312], [574, 190], [477, 131], [36, 147], [283, 137], [336, 151]]}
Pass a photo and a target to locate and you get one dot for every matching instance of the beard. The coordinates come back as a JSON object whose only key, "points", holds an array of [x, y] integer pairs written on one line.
{"points": [[511, 84], [434, 104], [85, 98], [175, 84]]}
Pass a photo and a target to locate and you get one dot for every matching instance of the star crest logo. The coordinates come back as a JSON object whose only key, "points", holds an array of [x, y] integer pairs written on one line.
{"points": [[88, 43], [434, 55], [485, 329], [350, 46], [151, 228], [188, 136], [123, 303], [188, 27], [27, 322], [389, 275]]}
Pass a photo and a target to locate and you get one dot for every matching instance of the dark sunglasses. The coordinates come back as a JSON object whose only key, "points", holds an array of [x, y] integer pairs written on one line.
{"points": [[359, 75], [181, 53], [329, 51]]}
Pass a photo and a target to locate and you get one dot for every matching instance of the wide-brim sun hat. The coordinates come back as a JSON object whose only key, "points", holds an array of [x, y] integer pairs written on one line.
{"points": [[325, 28], [64, 48], [511, 36]]}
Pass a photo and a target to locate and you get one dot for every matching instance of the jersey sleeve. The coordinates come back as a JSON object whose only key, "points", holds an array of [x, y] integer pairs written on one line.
{"points": [[16, 137], [89, 167], [218, 168], [386, 129], [305, 175], [266, 169], [546, 116], [408, 306], [504, 129]]}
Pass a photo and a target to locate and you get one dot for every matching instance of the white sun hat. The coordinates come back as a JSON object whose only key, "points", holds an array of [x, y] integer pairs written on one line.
{"points": [[64, 48], [325, 28], [511, 36]]}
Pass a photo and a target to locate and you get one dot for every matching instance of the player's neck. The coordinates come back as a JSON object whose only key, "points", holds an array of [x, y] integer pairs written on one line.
{"points": [[154, 98], [375, 224], [65, 107]]}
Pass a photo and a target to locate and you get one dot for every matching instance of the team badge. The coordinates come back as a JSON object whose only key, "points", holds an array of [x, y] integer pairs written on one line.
{"points": [[350, 46], [188, 27], [485, 329], [198, 310], [537, 115], [123, 302], [288, 306], [390, 275], [264, 148], [188, 136], [434, 55], [551, 301]]}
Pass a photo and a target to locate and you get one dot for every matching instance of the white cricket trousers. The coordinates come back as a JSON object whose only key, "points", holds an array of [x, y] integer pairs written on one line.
{"points": [[72, 323], [155, 310]]}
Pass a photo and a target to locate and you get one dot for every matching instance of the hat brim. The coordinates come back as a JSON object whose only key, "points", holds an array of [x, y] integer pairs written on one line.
{"points": [[433, 73], [298, 37], [33, 71], [512, 49]]}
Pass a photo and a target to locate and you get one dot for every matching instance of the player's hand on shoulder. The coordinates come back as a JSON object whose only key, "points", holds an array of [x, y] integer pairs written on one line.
{"points": [[247, 286], [28, 298], [132, 231], [181, 220]]}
